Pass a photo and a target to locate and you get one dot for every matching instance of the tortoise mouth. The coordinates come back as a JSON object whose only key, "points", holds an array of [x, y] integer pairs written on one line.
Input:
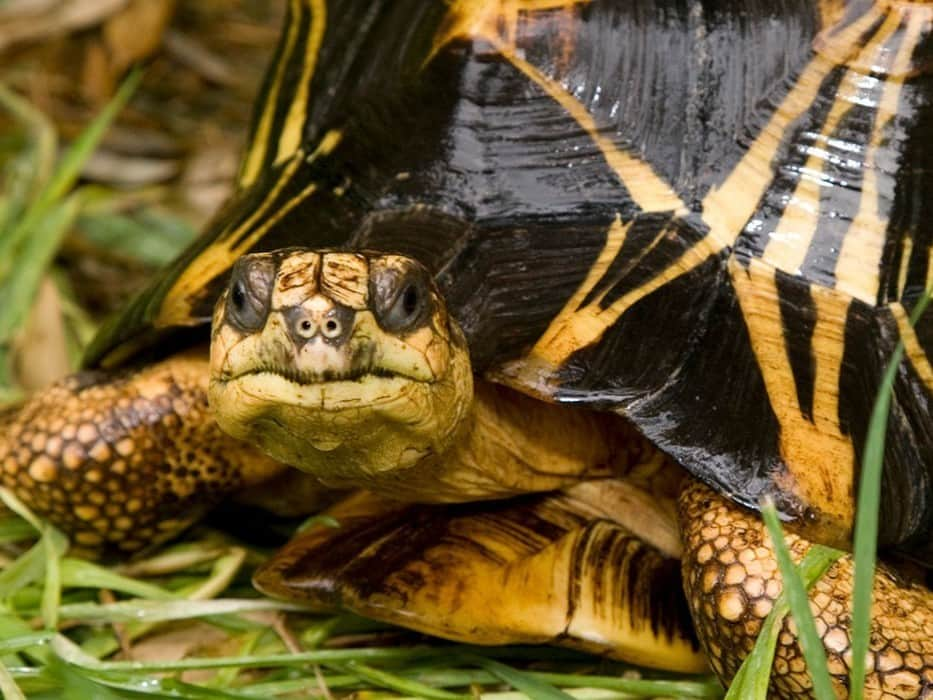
{"points": [[305, 377]]}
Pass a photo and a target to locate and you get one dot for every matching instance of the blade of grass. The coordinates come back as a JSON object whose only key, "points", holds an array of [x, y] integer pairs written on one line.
{"points": [[391, 681], [8, 687], [77, 573], [45, 143], [66, 650], [24, 641], [12, 626], [54, 545], [164, 610], [807, 637], [47, 553], [866, 521], [20, 283], [754, 676], [28, 567], [15, 530], [534, 688], [65, 174], [223, 572], [174, 559]]}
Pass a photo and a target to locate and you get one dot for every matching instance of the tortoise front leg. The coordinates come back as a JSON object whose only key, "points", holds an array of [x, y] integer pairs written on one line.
{"points": [[120, 460], [732, 580]]}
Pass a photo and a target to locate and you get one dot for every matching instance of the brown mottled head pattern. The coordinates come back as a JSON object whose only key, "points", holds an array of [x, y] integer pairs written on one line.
{"points": [[122, 461], [732, 581], [343, 364]]}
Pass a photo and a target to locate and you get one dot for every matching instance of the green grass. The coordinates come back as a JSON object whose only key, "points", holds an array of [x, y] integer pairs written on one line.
{"points": [[40, 206], [70, 654]]}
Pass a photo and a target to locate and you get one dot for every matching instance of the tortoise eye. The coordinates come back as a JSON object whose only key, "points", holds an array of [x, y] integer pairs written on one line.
{"points": [[401, 300], [250, 292]]}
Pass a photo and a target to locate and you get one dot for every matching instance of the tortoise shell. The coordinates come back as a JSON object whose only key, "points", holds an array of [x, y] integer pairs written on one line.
{"points": [[712, 218]]}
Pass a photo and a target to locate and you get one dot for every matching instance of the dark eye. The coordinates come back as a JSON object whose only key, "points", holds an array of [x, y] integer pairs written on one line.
{"points": [[250, 292], [238, 296], [401, 300], [411, 300]]}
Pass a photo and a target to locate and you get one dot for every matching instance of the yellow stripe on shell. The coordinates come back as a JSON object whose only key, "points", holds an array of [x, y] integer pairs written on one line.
{"points": [[256, 152], [831, 11], [646, 188], [293, 129], [857, 270], [912, 348], [819, 457], [907, 247], [728, 207], [790, 241], [490, 19], [577, 327], [222, 253]]}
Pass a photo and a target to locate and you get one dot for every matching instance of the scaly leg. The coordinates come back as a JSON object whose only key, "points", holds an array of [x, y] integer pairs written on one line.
{"points": [[121, 460], [731, 579]]}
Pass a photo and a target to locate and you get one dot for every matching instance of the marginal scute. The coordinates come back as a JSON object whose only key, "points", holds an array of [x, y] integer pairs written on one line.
{"points": [[558, 569]]}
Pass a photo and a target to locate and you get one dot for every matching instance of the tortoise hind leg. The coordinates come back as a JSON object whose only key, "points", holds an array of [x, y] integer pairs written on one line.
{"points": [[550, 568], [120, 460], [731, 579]]}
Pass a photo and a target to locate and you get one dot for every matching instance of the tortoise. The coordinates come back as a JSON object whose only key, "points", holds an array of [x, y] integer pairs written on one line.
{"points": [[545, 276]]}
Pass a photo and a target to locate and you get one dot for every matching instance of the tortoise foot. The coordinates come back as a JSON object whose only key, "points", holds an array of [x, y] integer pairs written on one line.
{"points": [[123, 460], [732, 580]]}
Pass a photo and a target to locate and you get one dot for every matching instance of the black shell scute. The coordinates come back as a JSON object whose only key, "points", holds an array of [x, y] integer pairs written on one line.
{"points": [[704, 216]]}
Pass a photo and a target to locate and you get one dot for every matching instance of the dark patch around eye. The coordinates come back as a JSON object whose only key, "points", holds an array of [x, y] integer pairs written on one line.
{"points": [[401, 300], [250, 292]]}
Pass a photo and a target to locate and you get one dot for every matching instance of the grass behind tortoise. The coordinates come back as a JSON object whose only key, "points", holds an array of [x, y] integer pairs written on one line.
{"points": [[62, 618]]}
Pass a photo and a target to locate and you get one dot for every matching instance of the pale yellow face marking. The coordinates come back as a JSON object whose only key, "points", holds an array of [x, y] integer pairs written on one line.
{"points": [[345, 278], [863, 246], [296, 280], [252, 162], [818, 455], [728, 208]]}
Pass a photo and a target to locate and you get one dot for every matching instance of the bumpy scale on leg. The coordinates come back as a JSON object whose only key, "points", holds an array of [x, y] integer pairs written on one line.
{"points": [[732, 580], [123, 460]]}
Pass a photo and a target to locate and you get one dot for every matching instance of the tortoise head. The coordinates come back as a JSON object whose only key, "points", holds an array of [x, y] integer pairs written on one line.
{"points": [[346, 365]]}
